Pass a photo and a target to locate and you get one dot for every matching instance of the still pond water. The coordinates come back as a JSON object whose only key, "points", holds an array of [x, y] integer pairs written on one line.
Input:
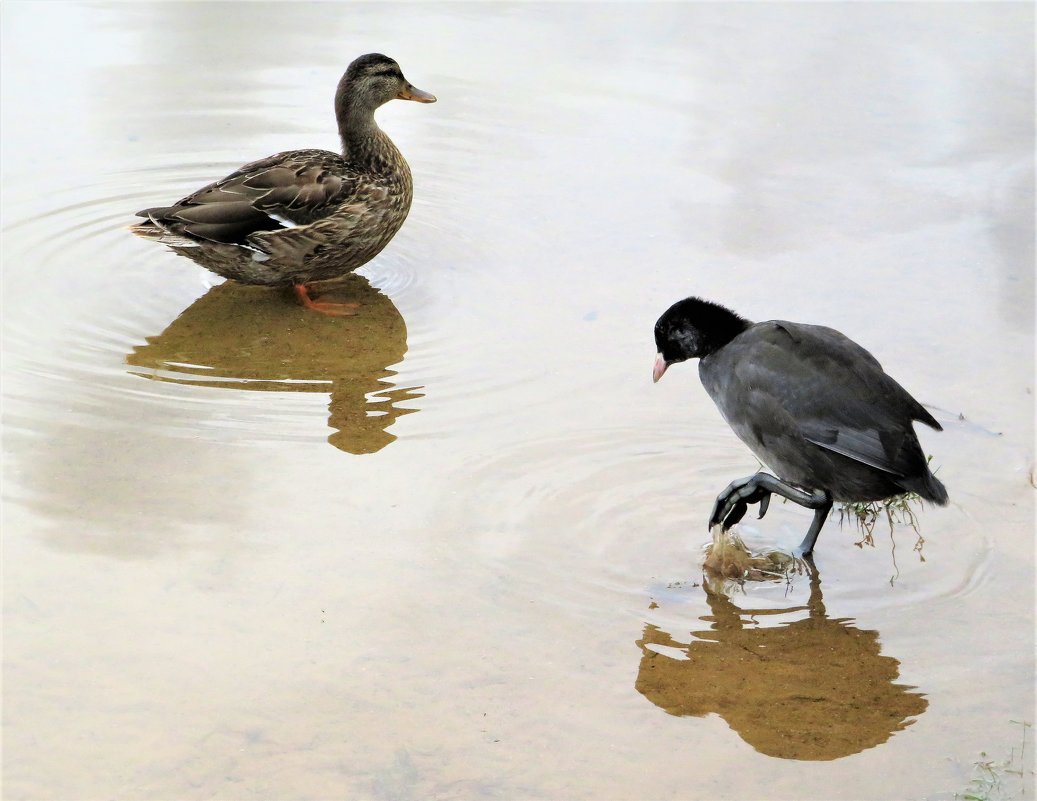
{"points": [[451, 547]]}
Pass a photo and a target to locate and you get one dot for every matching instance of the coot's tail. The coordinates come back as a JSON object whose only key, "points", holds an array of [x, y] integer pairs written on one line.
{"points": [[928, 486]]}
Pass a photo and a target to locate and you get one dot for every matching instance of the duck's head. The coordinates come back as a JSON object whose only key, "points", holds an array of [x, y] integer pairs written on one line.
{"points": [[374, 79], [693, 328]]}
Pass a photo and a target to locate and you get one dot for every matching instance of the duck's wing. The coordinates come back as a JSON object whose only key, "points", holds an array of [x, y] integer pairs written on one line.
{"points": [[835, 393], [289, 189]]}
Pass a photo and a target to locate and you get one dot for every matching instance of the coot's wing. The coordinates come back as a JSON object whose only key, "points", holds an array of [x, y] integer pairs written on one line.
{"points": [[864, 445], [835, 393], [283, 191]]}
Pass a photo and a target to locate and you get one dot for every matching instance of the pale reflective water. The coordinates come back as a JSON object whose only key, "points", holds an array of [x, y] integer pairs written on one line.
{"points": [[450, 548]]}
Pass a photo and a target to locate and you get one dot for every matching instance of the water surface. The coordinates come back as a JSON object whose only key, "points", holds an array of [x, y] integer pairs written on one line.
{"points": [[450, 547]]}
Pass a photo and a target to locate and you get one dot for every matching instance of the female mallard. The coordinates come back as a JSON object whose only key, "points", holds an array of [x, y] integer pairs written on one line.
{"points": [[304, 215]]}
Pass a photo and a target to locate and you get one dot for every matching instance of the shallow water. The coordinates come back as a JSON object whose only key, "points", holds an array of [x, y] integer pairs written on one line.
{"points": [[451, 547]]}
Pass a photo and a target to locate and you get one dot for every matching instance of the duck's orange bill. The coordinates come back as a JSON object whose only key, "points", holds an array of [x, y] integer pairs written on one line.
{"points": [[414, 93]]}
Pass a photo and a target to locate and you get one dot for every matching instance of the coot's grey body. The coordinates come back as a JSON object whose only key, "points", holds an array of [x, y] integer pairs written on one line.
{"points": [[813, 405], [818, 409]]}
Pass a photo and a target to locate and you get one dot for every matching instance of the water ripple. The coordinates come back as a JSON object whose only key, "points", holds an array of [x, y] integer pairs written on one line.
{"points": [[80, 334], [620, 513]]}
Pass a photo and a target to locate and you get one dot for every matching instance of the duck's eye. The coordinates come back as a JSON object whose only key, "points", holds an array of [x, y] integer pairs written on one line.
{"points": [[388, 72]]}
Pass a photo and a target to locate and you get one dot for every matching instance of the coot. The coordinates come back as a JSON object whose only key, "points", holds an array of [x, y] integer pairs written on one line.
{"points": [[813, 405]]}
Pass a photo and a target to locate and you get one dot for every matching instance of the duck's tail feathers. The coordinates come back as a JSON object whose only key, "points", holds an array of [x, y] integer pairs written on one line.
{"points": [[157, 233]]}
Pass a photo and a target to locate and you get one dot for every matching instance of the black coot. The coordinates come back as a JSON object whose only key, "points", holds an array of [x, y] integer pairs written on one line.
{"points": [[813, 405]]}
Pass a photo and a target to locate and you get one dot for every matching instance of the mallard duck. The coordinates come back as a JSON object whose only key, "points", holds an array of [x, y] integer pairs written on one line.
{"points": [[304, 216], [811, 403]]}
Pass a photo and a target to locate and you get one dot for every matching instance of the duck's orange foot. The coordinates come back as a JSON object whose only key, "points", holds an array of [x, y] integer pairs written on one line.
{"points": [[324, 307]]}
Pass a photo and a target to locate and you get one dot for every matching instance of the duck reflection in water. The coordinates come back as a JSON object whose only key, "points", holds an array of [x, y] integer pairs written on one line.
{"points": [[242, 337], [814, 689]]}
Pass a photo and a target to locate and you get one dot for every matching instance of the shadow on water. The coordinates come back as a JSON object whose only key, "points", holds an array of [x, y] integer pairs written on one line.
{"points": [[817, 688], [258, 339]]}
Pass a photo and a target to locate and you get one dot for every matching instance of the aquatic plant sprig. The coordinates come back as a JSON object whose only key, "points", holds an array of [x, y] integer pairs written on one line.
{"points": [[897, 509], [999, 780], [866, 514], [727, 557]]}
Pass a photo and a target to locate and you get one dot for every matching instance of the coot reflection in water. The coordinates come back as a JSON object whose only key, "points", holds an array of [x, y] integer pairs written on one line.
{"points": [[814, 689], [254, 338]]}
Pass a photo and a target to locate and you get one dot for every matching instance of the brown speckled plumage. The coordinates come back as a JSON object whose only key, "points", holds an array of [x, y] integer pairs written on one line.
{"points": [[303, 215]]}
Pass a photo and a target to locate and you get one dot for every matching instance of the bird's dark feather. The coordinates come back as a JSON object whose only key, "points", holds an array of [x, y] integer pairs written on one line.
{"points": [[812, 383]]}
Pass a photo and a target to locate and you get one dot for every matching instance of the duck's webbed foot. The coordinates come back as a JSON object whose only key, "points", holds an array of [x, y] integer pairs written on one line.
{"points": [[732, 504], [324, 307]]}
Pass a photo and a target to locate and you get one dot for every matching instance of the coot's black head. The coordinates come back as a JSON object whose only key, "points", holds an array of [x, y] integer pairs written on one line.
{"points": [[375, 79], [693, 328]]}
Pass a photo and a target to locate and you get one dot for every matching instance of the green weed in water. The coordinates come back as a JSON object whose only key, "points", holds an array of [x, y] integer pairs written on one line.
{"points": [[897, 510], [999, 780], [729, 558]]}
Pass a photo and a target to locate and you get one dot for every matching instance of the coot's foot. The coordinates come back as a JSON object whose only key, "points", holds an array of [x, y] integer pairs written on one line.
{"points": [[732, 503]]}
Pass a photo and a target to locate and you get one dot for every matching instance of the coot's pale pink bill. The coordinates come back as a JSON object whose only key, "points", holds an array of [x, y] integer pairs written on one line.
{"points": [[659, 368]]}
